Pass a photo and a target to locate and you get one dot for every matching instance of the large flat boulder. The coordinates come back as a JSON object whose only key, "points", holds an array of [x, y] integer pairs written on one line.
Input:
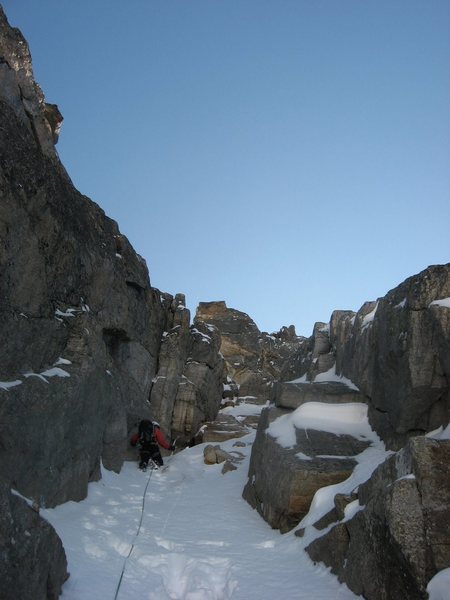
{"points": [[282, 481], [293, 395]]}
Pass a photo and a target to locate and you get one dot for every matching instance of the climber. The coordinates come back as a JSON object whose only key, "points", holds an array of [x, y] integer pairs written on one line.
{"points": [[149, 437]]}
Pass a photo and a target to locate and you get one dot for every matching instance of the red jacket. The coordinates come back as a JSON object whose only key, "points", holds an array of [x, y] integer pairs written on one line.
{"points": [[158, 435]]}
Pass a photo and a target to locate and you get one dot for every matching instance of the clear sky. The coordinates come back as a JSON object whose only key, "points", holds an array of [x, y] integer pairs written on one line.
{"points": [[290, 157]]}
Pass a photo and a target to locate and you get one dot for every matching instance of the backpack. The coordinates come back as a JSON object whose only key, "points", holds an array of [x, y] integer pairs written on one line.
{"points": [[146, 433]]}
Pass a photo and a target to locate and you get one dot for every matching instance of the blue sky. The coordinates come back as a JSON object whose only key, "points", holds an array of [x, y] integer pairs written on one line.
{"points": [[288, 157]]}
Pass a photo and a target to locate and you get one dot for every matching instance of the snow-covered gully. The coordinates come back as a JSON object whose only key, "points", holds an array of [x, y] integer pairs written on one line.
{"points": [[198, 539]]}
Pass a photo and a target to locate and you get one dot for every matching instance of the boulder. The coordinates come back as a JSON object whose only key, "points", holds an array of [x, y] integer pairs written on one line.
{"points": [[215, 455], [282, 481], [399, 539], [224, 427], [33, 564]]}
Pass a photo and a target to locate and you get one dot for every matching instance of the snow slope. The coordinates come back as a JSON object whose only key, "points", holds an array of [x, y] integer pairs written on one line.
{"points": [[198, 540]]}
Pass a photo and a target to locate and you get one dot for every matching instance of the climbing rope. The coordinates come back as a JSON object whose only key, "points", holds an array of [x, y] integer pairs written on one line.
{"points": [[135, 537], [138, 530]]}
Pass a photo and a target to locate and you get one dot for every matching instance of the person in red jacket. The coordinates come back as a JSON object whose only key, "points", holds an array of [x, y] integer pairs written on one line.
{"points": [[149, 437]]}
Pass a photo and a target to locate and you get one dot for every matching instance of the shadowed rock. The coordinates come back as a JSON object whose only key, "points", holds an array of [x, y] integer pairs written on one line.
{"points": [[33, 563]]}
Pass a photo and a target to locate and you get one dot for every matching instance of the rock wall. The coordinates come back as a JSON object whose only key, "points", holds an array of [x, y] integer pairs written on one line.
{"points": [[87, 342], [399, 539], [81, 325]]}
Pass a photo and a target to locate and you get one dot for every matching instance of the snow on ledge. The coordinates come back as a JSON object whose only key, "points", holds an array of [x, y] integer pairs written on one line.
{"points": [[19, 495], [350, 418], [367, 320], [440, 433], [62, 361], [55, 372], [70, 312], [6, 385], [331, 376], [444, 302], [401, 304]]}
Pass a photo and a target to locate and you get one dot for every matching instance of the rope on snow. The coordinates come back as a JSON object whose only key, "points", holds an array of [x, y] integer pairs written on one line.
{"points": [[135, 537]]}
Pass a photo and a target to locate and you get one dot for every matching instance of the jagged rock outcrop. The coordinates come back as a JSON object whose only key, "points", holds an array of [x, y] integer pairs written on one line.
{"points": [[315, 355], [253, 359], [22, 94], [399, 539], [187, 389], [282, 481], [33, 563]]}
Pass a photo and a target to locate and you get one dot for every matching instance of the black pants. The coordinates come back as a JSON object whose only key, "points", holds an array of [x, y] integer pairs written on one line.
{"points": [[150, 451]]}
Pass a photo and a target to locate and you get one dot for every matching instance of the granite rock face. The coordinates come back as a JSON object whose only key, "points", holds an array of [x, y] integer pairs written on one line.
{"points": [[399, 539], [33, 565], [253, 359], [81, 326]]}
